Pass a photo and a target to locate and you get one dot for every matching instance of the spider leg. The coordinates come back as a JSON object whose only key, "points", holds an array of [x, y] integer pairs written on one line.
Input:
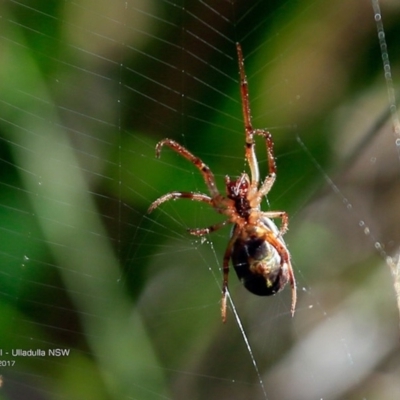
{"points": [[270, 178], [206, 231], [283, 215], [250, 132], [250, 150], [225, 270], [263, 191], [270, 149], [292, 281], [179, 195], [197, 162], [285, 260]]}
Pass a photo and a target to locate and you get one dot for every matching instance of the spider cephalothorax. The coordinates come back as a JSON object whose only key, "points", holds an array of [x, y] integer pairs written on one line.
{"points": [[238, 191], [256, 247]]}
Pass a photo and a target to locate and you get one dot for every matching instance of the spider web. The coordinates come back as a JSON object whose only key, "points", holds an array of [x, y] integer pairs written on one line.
{"points": [[131, 300]]}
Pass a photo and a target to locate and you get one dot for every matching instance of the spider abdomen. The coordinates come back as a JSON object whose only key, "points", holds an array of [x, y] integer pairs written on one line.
{"points": [[258, 266]]}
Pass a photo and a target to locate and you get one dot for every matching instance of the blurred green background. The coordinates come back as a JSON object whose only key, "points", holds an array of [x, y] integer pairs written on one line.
{"points": [[86, 91]]}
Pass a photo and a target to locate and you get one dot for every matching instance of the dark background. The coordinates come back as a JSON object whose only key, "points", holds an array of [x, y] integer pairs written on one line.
{"points": [[86, 91]]}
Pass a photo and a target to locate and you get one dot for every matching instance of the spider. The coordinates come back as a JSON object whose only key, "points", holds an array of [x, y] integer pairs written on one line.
{"points": [[258, 252]]}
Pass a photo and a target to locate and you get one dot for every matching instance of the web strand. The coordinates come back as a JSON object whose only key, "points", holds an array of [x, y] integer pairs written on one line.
{"points": [[394, 265]]}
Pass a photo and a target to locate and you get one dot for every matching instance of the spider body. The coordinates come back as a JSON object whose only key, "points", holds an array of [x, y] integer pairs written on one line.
{"points": [[256, 247], [257, 263]]}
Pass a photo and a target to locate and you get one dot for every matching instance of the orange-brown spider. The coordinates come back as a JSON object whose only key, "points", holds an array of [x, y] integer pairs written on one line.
{"points": [[258, 252]]}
